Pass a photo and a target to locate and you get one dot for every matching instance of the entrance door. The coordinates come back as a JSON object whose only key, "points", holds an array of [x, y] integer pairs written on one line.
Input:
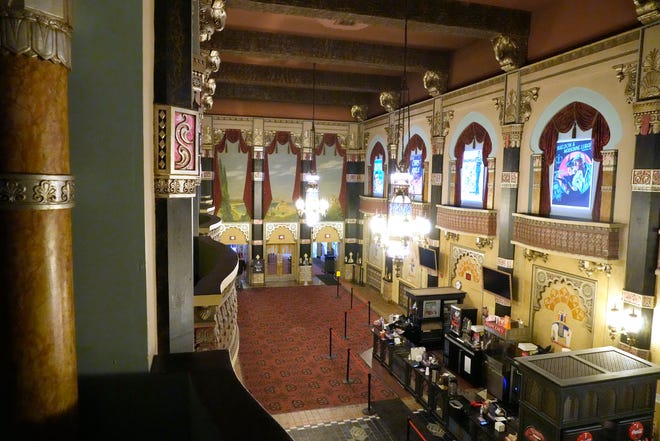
{"points": [[279, 259]]}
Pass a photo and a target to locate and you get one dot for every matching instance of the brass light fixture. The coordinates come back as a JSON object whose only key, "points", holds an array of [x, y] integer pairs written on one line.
{"points": [[312, 207], [400, 228]]}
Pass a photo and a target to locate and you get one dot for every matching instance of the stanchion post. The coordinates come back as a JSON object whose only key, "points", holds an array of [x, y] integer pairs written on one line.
{"points": [[330, 356], [345, 325], [369, 313], [351, 297], [347, 380], [368, 410], [337, 274]]}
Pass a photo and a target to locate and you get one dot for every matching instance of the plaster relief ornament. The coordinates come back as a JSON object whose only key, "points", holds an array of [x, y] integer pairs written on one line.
{"points": [[509, 51]]}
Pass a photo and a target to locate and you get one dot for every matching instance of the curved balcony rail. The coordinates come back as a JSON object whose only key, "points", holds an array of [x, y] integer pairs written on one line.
{"points": [[596, 241], [215, 301], [464, 220]]}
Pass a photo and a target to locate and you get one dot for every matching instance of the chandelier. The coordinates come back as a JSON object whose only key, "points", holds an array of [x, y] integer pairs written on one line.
{"points": [[400, 228], [312, 207]]}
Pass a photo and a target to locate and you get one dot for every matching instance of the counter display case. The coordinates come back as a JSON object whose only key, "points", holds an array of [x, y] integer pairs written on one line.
{"points": [[429, 308], [596, 391]]}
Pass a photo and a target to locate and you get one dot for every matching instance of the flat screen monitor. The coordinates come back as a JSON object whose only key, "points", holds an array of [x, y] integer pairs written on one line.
{"points": [[497, 282], [428, 258]]}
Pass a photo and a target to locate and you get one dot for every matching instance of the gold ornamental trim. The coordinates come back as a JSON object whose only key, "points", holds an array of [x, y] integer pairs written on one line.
{"points": [[646, 180], [25, 32], [175, 187], [36, 192]]}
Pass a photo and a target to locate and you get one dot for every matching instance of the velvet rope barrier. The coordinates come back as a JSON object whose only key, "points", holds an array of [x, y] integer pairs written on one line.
{"points": [[412, 425]]}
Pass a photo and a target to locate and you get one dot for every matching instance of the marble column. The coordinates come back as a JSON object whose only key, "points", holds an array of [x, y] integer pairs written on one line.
{"points": [[39, 361]]}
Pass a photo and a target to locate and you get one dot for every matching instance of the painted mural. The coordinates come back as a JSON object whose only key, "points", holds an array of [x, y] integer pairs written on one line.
{"points": [[232, 165], [282, 175], [329, 166], [562, 310]]}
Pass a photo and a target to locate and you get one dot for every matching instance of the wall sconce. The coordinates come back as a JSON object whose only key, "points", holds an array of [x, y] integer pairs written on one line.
{"points": [[532, 255], [588, 267], [614, 322], [451, 236], [483, 242]]}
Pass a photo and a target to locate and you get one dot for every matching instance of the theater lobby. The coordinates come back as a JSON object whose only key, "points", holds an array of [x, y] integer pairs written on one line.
{"points": [[330, 220]]}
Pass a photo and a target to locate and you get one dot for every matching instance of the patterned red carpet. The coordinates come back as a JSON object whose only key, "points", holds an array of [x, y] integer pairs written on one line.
{"points": [[284, 348]]}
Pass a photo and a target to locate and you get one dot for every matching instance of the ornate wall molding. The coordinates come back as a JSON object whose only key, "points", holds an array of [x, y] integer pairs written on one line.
{"points": [[459, 253], [585, 288], [646, 180], [176, 154], [577, 239], [627, 72], [649, 85], [43, 34], [36, 192], [271, 227], [639, 300], [509, 180], [354, 178], [338, 226], [467, 220]]}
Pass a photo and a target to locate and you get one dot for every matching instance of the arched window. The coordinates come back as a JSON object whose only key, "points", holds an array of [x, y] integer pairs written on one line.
{"points": [[377, 166], [571, 174], [414, 157], [471, 152]]}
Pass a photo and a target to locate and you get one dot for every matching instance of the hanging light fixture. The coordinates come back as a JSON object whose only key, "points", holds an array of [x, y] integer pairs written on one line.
{"points": [[313, 207], [400, 228]]}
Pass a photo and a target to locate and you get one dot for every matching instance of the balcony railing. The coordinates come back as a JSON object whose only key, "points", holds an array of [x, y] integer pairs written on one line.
{"points": [[574, 238], [467, 220]]}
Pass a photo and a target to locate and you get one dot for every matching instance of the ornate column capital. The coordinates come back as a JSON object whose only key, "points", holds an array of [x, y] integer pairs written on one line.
{"points": [[646, 116], [510, 51], [435, 82], [647, 10], [37, 29]]}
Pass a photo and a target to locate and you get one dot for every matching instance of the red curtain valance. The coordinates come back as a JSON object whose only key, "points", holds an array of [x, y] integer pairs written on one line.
{"points": [[585, 117]]}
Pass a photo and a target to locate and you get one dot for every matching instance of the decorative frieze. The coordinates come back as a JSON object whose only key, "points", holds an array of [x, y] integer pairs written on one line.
{"points": [[257, 176], [509, 180], [467, 220], [646, 180], [436, 179], [577, 239], [638, 300], [36, 192], [354, 178], [504, 263], [46, 34]]}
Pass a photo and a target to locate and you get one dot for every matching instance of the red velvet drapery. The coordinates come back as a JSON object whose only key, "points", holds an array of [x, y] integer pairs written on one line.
{"points": [[416, 143], [473, 133], [232, 136], [377, 151], [586, 117]]}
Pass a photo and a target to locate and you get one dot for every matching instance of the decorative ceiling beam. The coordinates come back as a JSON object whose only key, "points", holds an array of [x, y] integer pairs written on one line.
{"points": [[324, 51], [289, 95], [304, 79], [454, 17]]}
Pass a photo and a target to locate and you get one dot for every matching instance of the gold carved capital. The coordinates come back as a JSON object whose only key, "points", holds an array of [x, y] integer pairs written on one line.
{"points": [[435, 82], [647, 10], [510, 51], [649, 80], [44, 33], [389, 100], [359, 112]]}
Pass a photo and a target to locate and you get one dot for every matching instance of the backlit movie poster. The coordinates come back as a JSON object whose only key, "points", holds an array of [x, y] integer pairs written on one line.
{"points": [[472, 178], [378, 178], [416, 171], [572, 182]]}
